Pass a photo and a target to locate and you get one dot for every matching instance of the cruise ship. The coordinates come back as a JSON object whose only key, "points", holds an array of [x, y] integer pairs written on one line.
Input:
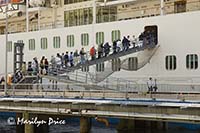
{"points": [[48, 27]]}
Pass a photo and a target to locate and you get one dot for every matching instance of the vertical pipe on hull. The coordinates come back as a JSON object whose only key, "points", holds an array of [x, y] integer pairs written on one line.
{"points": [[27, 18], [94, 21], [39, 19], [162, 7], [6, 54]]}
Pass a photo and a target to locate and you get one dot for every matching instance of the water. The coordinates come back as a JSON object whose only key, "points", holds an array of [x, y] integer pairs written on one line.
{"points": [[72, 126]]}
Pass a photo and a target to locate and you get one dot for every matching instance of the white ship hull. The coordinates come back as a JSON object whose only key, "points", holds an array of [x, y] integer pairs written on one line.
{"points": [[178, 35]]}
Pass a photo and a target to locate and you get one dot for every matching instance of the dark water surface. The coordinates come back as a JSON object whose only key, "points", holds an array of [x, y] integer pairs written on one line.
{"points": [[72, 126]]}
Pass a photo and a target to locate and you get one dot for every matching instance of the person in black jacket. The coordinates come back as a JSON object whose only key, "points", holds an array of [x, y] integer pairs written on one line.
{"points": [[66, 59], [106, 48], [125, 43], [100, 51], [114, 47]]}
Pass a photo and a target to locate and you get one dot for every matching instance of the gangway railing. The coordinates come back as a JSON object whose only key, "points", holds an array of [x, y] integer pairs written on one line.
{"points": [[84, 79], [123, 92], [89, 62], [95, 78]]}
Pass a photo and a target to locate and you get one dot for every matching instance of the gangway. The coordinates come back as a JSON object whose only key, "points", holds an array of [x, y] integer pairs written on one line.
{"points": [[148, 52], [110, 57], [145, 47], [88, 80]]}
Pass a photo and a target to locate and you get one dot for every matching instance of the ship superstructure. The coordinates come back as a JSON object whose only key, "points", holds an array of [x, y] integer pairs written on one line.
{"points": [[67, 13], [58, 26]]}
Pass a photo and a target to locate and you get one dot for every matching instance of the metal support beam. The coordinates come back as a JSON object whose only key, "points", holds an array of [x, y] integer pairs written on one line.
{"points": [[28, 128]]}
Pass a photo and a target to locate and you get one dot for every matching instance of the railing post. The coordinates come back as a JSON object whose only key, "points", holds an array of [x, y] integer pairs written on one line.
{"points": [[76, 75], [107, 83], [127, 89], [13, 90], [90, 92], [86, 77], [117, 84], [103, 93]]}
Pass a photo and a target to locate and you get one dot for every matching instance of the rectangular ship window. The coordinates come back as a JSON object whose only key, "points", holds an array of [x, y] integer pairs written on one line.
{"points": [[44, 43], [191, 61], [85, 39], [56, 42], [170, 62], [100, 67], [99, 38], [116, 35], [70, 41], [31, 44]]}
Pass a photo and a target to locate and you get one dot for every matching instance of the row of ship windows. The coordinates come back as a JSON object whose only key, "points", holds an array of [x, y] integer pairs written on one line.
{"points": [[170, 63], [116, 65], [115, 34], [191, 62]]}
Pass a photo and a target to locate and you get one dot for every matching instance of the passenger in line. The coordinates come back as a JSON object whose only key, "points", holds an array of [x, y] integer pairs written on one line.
{"points": [[35, 66], [141, 40], [141, 36], [58, 61], [155, 87], [42, 64], [145, 40], [128, 42], [76, 56], [66, 59], [106, 49], [133, 41], [114, 47], [147, 37], [125, 43], [17, 76], [46, 63], [53, 62], [71, 59], [119, 45], [62, 59], [2, 81], [24, 68], [82, 54], [100, 51], [93, 53], [30, 68]]}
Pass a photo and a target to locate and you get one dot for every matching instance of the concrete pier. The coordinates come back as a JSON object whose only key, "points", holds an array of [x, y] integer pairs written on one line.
{"points": [[131, 126], [28, 128], [85, 124], [31, 128], [43, 128], [126, 126], [19, 128]]}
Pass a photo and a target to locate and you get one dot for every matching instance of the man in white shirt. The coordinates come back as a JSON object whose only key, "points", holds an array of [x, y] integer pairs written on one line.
{"points": [[150, 84], [119, 45], [133, 41], [58, 60]]}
